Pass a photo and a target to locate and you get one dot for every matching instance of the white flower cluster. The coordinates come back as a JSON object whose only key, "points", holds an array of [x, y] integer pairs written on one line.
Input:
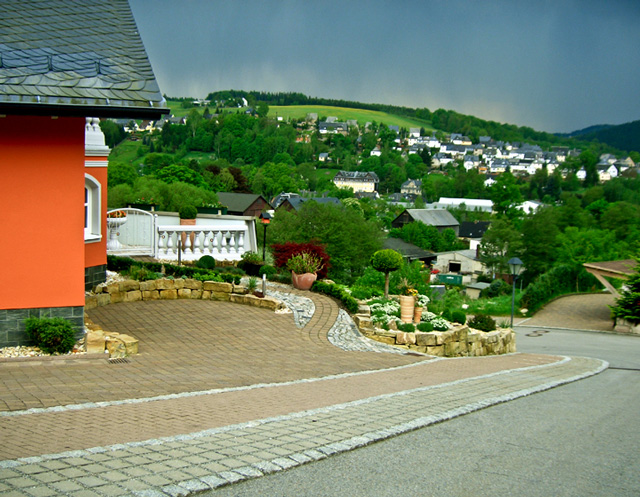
{"points": [[389, 307], [422, 300], [440, 324]]}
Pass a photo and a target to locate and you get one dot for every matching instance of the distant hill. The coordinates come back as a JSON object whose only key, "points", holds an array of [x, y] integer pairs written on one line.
{"points": [[623, 137], [585, 131]]}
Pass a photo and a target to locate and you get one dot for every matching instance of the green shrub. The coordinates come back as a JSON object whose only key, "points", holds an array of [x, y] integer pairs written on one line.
{"points": [[188, 212], [338, 292], [139, 273], [458, 317], [496, 288], [207, 277], [482, 322], [52, 335], [407, 327], [426, 327], [268, 270], [206, 262], [364, 293]]}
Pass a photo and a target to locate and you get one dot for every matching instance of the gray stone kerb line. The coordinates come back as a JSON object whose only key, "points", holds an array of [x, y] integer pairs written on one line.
{"points": [[325, 447], [214, 391]]}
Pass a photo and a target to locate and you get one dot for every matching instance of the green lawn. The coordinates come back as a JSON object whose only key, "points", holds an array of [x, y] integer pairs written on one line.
{"points": [[343, 113]]}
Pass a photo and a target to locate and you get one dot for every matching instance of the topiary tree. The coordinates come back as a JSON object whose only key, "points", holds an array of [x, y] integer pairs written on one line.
{"points": [[628, 305], [386, 261]]}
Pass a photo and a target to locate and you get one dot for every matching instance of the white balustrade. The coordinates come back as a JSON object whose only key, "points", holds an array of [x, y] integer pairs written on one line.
{"points": [[196, 241]]}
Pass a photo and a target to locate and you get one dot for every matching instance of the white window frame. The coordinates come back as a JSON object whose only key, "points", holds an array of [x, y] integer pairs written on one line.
{"points": [[92, 209]]}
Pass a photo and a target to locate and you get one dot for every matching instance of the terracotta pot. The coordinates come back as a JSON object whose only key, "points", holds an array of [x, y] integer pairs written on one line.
{"points": [[303, 281], [187, 222], [417, 314], [407, 304]]}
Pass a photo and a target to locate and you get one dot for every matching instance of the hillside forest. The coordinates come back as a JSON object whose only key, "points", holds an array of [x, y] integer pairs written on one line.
{"points": [[251, 152]]}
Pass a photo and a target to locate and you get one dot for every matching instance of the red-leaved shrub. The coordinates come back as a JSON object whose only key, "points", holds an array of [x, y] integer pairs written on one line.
{"points": [[282, 252]]}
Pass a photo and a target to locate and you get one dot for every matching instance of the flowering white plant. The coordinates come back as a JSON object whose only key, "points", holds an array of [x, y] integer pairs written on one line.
{"points": [[422, 300]]}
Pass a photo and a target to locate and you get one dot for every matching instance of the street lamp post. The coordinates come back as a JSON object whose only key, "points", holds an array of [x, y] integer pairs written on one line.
{"points": [[265, 219], [515, 265]]}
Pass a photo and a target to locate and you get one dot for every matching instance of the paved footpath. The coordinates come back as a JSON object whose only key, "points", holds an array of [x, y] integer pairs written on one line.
{"points": [[232, 409]]}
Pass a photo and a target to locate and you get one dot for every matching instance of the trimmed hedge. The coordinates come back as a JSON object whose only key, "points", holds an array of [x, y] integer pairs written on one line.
{"points": [[559, 280], [337, 292], [122, 264]]}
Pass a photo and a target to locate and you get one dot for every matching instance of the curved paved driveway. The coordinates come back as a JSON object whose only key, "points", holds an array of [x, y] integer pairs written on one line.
{"points": [[576, 312]]}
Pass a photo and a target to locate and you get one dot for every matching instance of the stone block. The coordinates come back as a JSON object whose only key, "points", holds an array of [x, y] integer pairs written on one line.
{"points": [[206, 294], [385, 339], [427, 339], [129, 285], [492, 337], [363, 321], [165, 284], [223, 296], [473, 337], [168, 294], [113, 288], [364, 309], [418, 348], [217, 286], [103, 299], [133, 296], [196, 294], [178, 284], [151, 295], [130, 344], [116, 348], [91, 302], [403, 338], [240, 290], [192, 284], [95, 341], [462, 332], [184, 293], [147, 286], [437, 351], [117, 297], [447, 336]]}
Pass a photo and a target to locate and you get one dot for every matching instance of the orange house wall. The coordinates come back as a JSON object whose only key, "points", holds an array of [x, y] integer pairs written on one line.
{"points": [[41, 212], [95, 253]]}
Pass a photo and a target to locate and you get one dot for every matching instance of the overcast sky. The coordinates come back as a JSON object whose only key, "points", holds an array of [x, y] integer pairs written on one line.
{"points": [[556, 65]]}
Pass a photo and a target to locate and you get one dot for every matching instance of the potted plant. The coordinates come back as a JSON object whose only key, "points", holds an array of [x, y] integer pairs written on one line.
{"points": [[304, 267], [212, 208], [421, 302], [250, 263], [407, 304], [145, 204], [188, 214], [115, 219]]}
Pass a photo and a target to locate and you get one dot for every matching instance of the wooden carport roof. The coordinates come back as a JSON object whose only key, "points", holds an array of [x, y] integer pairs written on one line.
{"points": [[611, 269]]}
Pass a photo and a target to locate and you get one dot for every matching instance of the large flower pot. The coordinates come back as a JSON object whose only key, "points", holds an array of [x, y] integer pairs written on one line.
{"points": [[113, 223], [188, 222], [417, 315], [303, 281], [407, 304]]}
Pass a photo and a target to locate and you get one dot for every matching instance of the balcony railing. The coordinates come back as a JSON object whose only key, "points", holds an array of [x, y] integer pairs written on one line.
{"points": [[160, 235]]}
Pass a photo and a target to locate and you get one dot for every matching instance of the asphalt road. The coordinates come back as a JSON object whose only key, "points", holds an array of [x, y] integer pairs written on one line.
{"points": [[580, 439]]}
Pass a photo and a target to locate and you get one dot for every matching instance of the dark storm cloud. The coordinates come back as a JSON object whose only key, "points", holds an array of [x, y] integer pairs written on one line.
{"points": [[551, 65]]}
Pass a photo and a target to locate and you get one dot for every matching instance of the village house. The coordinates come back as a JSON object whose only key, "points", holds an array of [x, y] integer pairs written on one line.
{"points": [[439, 218], [57, 78], [411, 187], [359, 181]]}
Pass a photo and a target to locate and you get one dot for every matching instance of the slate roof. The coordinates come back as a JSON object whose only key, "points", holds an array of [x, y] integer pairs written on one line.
{"points": [[238, 202], [296, 202], [64, 57], [433, 217], [408, 250], [473, 229]]}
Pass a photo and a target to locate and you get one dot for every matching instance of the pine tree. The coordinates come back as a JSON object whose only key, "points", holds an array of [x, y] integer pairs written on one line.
{"points": [[628, 305]]}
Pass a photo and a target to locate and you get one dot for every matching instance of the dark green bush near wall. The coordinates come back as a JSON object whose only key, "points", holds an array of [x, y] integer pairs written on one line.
{"points": [[559, 280], [339, 293], [122, 264], [52, 335], [482, 322]]}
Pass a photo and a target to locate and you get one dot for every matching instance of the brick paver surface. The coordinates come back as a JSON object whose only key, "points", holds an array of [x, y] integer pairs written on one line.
{"points": [[577, 312], [245, 391], [188, 345]]}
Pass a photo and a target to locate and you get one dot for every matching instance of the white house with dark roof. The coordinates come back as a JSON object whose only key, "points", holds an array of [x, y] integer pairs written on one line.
{"points": [[359, 181]]}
